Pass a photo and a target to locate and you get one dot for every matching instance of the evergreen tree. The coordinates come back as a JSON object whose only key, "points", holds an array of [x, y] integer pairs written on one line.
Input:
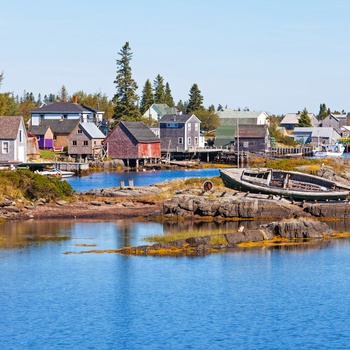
{"points": [[181, 106], [196, 99], [304, 119], [323, 113], [125, 98], [63, 96], [168, 97], [211, 108], [220, 108], [159, 89], [147, 97]]}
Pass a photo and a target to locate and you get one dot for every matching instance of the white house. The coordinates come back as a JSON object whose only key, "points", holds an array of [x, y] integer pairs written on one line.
{"points": [[13, 139], [66, 110], [157, 110], [230, 117]]}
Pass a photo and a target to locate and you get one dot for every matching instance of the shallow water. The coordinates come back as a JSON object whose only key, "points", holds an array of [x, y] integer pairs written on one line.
{"points": [[293, 298], [140, 178]]}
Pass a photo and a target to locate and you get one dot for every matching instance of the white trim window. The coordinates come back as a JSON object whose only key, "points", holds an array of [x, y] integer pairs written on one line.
{"points": [[189, 127], [180, 140], [5, 149], [189, 141], [196, 141]]}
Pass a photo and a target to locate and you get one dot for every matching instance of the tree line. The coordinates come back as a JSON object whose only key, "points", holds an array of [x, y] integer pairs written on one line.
{"points": [[126, 104]]}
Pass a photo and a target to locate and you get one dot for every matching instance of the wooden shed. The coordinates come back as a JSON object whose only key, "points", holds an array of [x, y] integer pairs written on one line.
{"points": [[134, 143]]}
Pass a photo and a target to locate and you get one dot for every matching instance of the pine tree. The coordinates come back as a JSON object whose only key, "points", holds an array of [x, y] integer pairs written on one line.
{"points": [[181, 106], [125, 98], [147, 97], [196, 99], [63, 94], [168, 97], [304, 119], [323, 113], [159, 89]]}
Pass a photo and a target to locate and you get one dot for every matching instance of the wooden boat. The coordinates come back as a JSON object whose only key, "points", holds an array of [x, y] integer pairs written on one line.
{"points": [[289, 184]]}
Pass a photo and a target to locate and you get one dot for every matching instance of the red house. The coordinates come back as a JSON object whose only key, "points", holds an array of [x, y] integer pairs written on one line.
{"points": [[134, 143]]}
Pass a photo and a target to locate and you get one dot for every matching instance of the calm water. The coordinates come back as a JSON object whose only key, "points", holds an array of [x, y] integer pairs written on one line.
{"points": [[141, 178], [253, 299]]}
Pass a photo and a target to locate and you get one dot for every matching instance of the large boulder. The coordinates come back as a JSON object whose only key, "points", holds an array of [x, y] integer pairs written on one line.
{"points": [[300, 228]]}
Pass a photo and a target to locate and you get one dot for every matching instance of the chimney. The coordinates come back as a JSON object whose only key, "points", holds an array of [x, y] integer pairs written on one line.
{"points": [[75, 99]]}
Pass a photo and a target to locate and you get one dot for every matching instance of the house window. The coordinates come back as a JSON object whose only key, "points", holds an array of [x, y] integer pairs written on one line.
{"points": [[79, 131], [189, 141], [189, 127], [20, 136], [181, 141], [196, 141], [196, 126], [172, 125], [74, 143], [5, 147], [85, 143], [245, 144]]}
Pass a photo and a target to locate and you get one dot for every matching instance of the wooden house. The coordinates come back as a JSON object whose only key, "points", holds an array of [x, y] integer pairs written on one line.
{"points": [[13, 139], [134, 143], [335, 121], [85, 140], [252, 138], [61, 130], [179, 132], [157, 110], [66, 110], [290, 120], [44, 135]]}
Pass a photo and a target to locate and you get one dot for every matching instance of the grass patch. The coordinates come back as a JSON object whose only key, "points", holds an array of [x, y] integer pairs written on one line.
{"points": [[175, 236]]}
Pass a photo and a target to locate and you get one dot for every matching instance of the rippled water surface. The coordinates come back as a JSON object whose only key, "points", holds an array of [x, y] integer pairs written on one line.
{"points": [[252, 299]]}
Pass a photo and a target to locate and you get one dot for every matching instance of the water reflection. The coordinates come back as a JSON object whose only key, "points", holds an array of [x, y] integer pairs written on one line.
{"points": [[23, 234], [113, 235]]}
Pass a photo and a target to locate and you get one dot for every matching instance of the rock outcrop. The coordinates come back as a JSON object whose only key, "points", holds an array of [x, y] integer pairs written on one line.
{"points": [[230, 207], [292, 230]]}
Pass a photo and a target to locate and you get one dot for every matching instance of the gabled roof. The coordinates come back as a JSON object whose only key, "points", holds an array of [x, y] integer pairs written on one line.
{"points": [[338, 116], [163, 109], [92, 130], [230, 113], [9, 126], [140, 131], [38, 129], [176, 118], [61, 107], [326, 132], [293, 118], [63, 126]]}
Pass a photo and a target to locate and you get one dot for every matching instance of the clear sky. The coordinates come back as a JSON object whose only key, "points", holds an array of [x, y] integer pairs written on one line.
{"points": [[274, 55]]}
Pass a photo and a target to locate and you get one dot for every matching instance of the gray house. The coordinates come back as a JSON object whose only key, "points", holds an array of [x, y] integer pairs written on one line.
{"points": [[179, 132], [292, 119], [85, 140], [336, 121], [315, 135], [13, 139], [251, 138]]}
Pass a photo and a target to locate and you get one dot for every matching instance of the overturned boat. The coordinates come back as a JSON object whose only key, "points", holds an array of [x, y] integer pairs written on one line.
{"points": [[289, 184]]}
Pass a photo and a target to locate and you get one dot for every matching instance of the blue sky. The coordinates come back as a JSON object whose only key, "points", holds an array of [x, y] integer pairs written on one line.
{"points": [[274, 55]]}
